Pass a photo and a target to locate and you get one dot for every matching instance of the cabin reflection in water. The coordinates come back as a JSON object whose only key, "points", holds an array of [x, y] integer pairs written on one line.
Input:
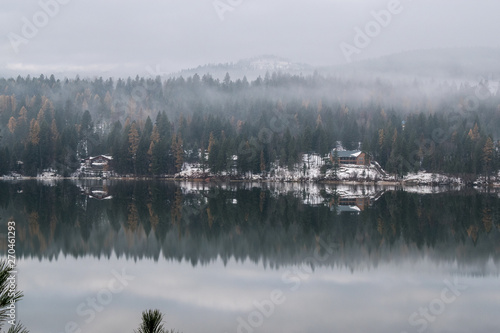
{"points": [[96, 192], [349, 205], [352, 204]]}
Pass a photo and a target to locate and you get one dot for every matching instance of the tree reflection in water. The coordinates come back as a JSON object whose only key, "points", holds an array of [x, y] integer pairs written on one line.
{"points": [[276, 224]]}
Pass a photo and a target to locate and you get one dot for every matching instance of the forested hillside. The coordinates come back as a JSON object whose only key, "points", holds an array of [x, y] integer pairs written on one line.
{"points": [[151, 126]]}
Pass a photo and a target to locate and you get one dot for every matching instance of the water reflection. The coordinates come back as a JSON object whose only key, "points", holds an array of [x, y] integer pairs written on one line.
{"points": [[269, 223], [212, 298], [96, 191], [352, 203], [353, 259]]}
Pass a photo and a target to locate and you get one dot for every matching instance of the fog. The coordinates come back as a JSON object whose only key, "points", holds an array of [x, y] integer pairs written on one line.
{"points": [[333, 70], [121, 38]]}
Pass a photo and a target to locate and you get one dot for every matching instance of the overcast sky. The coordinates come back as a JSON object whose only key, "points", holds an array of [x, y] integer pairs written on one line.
{"points": [[124, 37]]}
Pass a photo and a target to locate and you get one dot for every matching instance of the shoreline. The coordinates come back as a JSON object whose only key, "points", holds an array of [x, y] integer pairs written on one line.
{"points": [[215, 180]]}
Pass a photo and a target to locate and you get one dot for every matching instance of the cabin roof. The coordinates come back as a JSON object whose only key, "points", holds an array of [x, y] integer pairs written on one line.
{"points": [[108, 157], [348, 153]]}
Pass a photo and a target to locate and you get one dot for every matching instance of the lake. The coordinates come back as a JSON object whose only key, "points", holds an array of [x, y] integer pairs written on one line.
{"points": [[244, 257]]}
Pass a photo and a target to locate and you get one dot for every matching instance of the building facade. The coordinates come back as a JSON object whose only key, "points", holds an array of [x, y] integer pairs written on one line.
{"points": [[98, 163], [356, 157]]}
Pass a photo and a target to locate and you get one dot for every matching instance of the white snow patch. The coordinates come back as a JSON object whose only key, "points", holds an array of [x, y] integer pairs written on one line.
{"points": [[48, 174], [427, 178], [308, 170]]}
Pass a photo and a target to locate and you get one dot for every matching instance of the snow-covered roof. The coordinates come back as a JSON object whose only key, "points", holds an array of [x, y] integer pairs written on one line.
{"points": [[96, 192], [348, 153], [108, 157]]}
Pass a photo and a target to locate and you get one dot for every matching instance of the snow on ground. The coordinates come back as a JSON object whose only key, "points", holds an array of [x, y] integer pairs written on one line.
{"points": [[308, 170], [427, 178], [12, 176], [48, 174], [192, 170], [88, 172], [483, 181], [356, 172], [48, 177]]}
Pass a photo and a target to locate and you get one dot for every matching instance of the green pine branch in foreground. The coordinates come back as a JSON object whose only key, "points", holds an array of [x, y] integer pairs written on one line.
{"points": [[7, 297], [152, 322]]}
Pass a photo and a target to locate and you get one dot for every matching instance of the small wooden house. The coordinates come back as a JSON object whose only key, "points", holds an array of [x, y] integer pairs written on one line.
{"points": [[356, 157], [99, 163]]}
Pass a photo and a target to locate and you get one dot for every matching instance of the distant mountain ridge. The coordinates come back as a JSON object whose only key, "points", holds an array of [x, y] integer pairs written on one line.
{"points": [[457, 64], [251, 68], [446, 63], [439, 64]]}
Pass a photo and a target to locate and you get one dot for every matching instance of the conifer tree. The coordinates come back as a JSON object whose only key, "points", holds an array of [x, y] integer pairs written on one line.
{"points": [[133, 140], [488, 154]]}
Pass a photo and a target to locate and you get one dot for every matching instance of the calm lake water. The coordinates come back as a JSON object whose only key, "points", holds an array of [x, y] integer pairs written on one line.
{"points": [[254, 257]]}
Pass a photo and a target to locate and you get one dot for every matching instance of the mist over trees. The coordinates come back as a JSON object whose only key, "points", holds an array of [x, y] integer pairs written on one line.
{"points": [[151, 126]]}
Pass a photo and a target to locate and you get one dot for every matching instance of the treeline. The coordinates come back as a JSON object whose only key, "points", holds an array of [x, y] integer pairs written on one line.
{"points": [[151, 127]]}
